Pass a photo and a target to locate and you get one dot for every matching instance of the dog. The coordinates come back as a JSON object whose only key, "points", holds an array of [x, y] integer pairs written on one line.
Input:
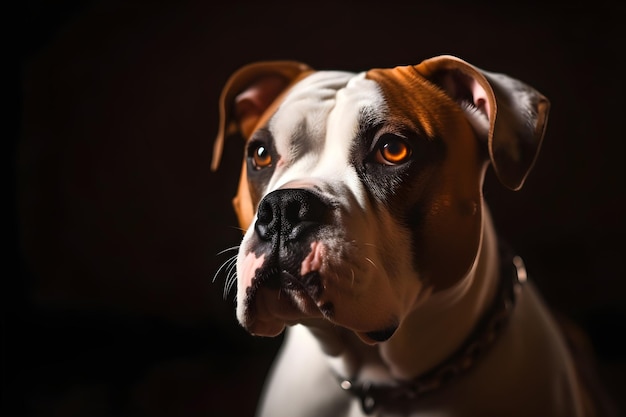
{"points": [[367, 237]]}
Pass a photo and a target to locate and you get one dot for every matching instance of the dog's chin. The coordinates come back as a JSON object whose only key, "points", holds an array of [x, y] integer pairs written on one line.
{"points": [[268, 311]]}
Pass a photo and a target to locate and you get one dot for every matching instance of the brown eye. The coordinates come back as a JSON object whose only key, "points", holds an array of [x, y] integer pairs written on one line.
{"points": [[261, 157], [393, 150]]}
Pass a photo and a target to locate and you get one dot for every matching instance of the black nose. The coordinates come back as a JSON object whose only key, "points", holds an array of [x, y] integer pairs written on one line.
{"points": [[289, 214]]}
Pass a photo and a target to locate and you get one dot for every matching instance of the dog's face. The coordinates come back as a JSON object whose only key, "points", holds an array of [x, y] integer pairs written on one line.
{"points": [[361, 193]]}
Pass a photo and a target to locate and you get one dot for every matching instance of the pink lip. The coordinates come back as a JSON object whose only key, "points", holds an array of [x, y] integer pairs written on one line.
{"points": [[313, 261]]}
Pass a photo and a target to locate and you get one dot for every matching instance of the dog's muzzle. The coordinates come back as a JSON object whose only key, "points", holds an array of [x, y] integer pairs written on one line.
{"points": [[306, 259], [285, 283]]}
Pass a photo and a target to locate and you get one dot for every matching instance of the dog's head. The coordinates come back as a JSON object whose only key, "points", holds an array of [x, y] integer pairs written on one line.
{"points": [[362, 193]]}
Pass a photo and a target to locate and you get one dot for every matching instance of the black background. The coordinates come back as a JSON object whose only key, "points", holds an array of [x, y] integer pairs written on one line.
{"points": [[116, 221]]}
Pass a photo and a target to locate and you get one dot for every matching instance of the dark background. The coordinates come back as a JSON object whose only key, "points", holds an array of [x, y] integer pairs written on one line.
{"points": [[116, 222]]}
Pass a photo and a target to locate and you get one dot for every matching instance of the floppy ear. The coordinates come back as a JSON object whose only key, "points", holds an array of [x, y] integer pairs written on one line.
{"points": [[515, 114], [247, 94]]}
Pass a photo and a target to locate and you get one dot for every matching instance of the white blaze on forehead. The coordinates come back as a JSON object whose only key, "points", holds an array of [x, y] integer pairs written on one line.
{"points": [[307, 106], [326, 108], [360, 97]]}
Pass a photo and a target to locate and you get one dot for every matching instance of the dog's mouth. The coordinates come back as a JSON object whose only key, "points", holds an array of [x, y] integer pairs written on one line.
{"points": [[277, 298]]}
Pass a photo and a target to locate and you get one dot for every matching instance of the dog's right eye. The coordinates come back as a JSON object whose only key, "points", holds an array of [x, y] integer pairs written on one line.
{"points": [[392, 150], [260, 156]]}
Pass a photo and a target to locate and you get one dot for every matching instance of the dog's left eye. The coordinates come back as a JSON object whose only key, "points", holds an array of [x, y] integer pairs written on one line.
{"points": [[260, 156], [392, 150]]}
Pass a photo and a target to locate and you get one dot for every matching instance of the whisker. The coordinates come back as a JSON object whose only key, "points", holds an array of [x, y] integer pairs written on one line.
{"points": [[231, 277], [232, 267], [230, 284], [226, 264], [228, 250]]}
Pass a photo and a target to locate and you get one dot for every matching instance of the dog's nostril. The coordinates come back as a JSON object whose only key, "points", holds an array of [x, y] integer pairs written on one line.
{"points": [[265, 219], [265, 214], [294, 212]]}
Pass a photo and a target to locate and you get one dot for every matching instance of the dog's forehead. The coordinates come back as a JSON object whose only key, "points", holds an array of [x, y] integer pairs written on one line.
{"points": [[318, 120], [308, 105]]}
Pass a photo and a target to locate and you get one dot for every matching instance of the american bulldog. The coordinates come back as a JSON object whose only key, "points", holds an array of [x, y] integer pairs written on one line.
{"points": [[367, 237]]}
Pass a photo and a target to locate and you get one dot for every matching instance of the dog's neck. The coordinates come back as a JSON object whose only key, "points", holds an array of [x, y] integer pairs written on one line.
{"points": [[434, 330], [430, 334]]}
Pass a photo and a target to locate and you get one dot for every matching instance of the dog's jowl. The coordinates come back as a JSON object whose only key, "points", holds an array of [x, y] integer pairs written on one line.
{"points": [[368, 241]]}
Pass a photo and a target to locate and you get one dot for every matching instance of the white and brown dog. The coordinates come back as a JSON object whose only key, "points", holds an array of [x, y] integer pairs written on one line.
{"points": [[368, 237]]}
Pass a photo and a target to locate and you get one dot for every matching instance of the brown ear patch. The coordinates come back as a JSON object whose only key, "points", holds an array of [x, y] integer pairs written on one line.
{"points": [[278, 75], [252, 102], [517, 113]]}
